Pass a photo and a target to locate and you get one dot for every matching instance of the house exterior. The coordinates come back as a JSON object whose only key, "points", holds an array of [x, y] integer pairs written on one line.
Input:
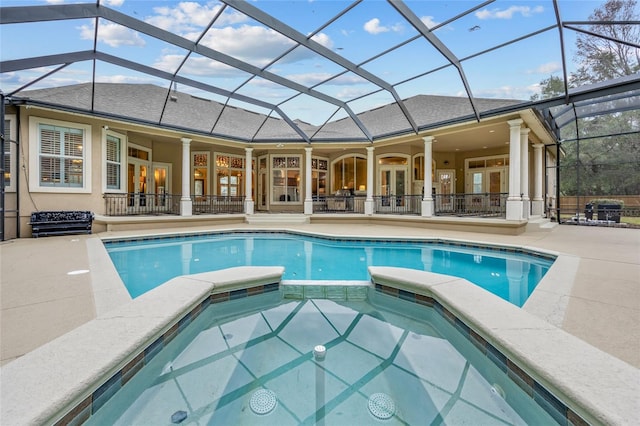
{"points": [[141, 153]]}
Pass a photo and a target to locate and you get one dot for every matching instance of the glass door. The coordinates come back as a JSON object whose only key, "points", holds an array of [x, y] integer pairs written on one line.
{"points": [[392, 187], [445, 190], [137, 184], [162, 185], [263, 188]]}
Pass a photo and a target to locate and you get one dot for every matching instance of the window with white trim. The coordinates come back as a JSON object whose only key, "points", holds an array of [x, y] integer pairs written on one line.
{"points": [[285, 172], [10, 152], [230, 172], [114, 157], [60, 155], [319, 171], [350, 173]]}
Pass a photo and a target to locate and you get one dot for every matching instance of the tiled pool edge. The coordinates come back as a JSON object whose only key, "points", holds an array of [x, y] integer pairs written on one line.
{"points": [[128, 368], [552, 405], [598, 386], [92, 403], [555, 407], [504, 248]]}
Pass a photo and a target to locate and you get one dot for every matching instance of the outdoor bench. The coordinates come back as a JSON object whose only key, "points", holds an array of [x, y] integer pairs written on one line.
{"points": [[45, 223]]}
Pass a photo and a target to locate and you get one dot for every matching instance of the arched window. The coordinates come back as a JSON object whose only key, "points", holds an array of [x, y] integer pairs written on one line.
{"points": [[349, 173]]}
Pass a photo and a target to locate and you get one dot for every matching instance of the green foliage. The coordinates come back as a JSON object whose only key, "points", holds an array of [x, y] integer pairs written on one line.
{"points": [[604, 201], [602, 152]]}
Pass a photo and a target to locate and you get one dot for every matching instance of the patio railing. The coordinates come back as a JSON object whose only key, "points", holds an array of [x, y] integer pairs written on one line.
{"points": [[216, 204], [339, 204], [398, 204], [132, 204], [492, 204], [477, 205]]}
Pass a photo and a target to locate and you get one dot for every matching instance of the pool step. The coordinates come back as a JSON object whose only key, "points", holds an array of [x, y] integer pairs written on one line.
{"points": [[278, 218]]}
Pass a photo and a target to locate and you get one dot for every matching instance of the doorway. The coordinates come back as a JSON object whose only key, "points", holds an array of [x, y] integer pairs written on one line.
{"points": [[137, 183], [392, 186], [263, 188]]}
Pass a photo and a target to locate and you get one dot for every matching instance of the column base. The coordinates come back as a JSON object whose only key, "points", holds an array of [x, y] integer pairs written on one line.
{"points": [[308, 207], [537, 207], [368, 207], [526, 208], [514, 209], [249, 206], [427, 208], [186, 207]]}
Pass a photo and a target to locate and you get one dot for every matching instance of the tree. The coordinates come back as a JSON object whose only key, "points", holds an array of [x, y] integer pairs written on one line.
{"points": [[604, 59], [549, 88], [600, 159]]}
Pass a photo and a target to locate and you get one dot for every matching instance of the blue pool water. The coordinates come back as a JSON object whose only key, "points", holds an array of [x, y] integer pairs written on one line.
{"points": [[145, 264], [253, 361]]}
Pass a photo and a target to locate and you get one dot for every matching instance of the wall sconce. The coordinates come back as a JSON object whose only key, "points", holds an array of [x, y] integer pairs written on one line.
{"points": [[362, 188]]}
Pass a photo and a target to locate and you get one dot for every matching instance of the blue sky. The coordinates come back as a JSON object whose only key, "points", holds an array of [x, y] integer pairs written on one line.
{"points": [[368, 29]]}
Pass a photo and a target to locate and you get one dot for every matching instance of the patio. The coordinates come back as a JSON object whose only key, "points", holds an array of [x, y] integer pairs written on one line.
{"points": [[601, 306]]}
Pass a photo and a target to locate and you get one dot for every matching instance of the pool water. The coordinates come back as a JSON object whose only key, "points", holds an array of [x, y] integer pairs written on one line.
{"points": [[251, 361], [145, 264]]}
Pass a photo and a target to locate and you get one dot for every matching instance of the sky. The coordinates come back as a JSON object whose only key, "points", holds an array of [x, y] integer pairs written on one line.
{"points": [[368, 29]]}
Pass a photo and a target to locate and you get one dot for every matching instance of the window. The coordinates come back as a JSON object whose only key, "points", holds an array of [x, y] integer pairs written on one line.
{"points": [[114, 154], [318, 177], [350, 173], [59, 154], [230, 174], [200, 168], [286, 179], [9, 166]]}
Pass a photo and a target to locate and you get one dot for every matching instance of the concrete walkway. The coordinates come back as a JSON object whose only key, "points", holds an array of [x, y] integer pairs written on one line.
{"points": [[49, 284]]}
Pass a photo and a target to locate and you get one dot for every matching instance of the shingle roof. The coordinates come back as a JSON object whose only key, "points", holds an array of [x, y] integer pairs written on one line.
{"points": [[156, 105]]}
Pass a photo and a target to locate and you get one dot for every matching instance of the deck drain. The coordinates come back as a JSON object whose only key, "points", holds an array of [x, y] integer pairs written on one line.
{"points": [[263, 401], [382, 406]]}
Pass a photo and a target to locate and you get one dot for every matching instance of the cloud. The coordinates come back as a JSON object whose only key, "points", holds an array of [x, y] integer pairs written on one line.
{"points": [[548, 68], [373, 27], [349, 93], [192, 17], [525, 11], [506, 92], [252, 44], [196, 66], [428, 21], [113, 3], [114, 35], [311, 79], [123, 78]]}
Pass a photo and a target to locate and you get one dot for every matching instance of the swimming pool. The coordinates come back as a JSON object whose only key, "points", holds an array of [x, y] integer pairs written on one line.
{"points": [[256, 361], [143, 264]]}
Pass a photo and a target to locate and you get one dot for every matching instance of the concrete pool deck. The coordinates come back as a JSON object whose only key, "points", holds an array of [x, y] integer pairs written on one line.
{"points": [[598, 297]]}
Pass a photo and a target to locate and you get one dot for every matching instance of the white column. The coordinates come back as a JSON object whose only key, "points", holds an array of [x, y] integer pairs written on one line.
{"points": [[427, 198], [514, 201], [537, 205], [524, 172], [368, 203], [308, 194], [248, 181], [186, 206]]}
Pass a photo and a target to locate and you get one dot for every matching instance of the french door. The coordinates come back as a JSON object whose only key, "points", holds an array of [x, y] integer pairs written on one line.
{"points": [[138, 183], [393, 182]]}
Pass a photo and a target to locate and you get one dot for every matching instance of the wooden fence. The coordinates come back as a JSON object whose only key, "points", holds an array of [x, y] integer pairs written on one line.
{"points": [[630, 201]]}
